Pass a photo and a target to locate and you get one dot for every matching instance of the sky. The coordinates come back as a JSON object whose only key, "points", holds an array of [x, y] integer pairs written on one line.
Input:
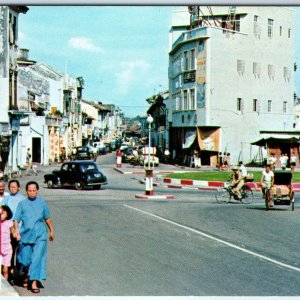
{"points": [[120, 51]]}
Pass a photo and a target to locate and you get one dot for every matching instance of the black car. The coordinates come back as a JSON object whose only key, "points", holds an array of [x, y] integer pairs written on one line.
{"points": [[83, 153], [79, 174]]}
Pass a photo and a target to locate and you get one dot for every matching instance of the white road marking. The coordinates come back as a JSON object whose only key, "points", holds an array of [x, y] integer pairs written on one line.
{"points": [[217, 240]]}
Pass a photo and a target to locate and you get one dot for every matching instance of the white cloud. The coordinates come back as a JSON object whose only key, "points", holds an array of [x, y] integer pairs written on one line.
{"points": [[21, 36], [131, 73], [84, 43]]}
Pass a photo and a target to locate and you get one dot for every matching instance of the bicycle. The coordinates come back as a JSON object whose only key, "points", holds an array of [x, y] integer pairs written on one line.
{"points": [[224, 194]]}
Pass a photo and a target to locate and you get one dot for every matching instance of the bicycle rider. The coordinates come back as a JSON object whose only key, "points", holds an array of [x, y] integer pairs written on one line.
{"points": [[267, 182], [236, 181]]}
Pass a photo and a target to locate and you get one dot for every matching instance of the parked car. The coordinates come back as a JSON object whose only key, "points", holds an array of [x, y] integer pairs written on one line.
{"points": [[79, 174], [107, 145], [93, 151], [112, 145], [101, 148], [124, 146], [82, 152], [127, 153]]}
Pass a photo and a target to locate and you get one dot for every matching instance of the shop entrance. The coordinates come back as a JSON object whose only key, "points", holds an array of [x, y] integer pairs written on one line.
{"points": [[36, 150]]}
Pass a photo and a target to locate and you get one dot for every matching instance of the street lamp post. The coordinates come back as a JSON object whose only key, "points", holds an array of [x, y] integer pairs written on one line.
{"points": [[149, 171], [149, 120]]}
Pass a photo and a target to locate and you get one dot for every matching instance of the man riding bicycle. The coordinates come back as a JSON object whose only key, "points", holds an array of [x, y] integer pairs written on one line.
{"points": [[236, 181], [267, 182]]}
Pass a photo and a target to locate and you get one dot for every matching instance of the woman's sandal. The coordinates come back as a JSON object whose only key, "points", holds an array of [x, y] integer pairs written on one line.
{"points": [[35, 291]]}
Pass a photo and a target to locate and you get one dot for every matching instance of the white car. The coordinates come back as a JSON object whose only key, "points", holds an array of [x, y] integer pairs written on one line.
{"points": [[124, 146], [101, 148]]}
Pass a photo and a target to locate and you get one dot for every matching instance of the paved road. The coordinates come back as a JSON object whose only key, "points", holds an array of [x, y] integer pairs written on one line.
{"points": [[110, 244]]}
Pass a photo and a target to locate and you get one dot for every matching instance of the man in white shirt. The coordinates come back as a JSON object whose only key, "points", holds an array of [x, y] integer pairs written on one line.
{"points": [[267, 182], [243, 169]]}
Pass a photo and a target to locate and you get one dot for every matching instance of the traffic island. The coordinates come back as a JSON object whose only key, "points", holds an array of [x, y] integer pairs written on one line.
{"points": [[150, 197]]}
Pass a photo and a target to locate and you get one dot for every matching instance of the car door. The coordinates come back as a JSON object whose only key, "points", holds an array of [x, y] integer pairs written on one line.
{"points": [[64, 172]]}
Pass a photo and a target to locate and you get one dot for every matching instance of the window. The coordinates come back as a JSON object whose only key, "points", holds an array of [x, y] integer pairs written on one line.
{"points": [[256, 69], [286, 73], [269, 105], [193, 59], [240, 66], [185, 100], [255, 108], [239, 104], [185, 61], [237, 25], [284, 106], [270, 28], [271, 71], [12, 28], [257, 27], [192, 97]]}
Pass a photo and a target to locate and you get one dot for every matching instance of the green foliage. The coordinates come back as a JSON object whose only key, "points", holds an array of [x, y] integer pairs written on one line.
{"points": [[220, 176]]}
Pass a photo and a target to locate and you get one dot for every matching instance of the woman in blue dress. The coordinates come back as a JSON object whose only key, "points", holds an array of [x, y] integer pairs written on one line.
{"points": [[34, 214]]}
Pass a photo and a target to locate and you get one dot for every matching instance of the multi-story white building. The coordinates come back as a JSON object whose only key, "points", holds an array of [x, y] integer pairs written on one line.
{"points": [[231, 75], [10, 116]]}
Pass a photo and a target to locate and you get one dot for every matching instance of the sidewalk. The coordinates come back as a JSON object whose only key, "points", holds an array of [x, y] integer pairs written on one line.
{"points": [[6, 289]]}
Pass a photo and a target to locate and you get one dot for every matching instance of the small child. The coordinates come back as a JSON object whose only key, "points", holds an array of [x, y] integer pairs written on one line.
{"points": [[6, 248]]}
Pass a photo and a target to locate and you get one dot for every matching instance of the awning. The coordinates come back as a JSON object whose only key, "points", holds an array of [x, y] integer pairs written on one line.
{"points": [[189, 139], [271, 140]]}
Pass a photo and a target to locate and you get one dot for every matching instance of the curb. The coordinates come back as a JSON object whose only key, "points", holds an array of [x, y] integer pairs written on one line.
{"points": [[154, 196], [211, 185]]}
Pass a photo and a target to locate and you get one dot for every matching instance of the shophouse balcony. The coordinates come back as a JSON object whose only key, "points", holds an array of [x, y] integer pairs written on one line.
{"points": [[192, 34], [55, 121], [24, 105]]}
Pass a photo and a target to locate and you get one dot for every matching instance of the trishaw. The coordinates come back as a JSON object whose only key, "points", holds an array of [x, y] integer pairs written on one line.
{"points": [[282, 192]]}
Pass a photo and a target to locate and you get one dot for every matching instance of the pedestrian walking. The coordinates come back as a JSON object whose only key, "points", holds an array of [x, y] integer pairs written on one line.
{"points": [[29, 163], [293, 161], [12, 200], [34, 215], [167, 155], [6, 248]]}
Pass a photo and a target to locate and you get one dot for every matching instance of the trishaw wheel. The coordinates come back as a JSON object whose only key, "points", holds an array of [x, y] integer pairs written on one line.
{"points": [[222, 195], [248, 195], [267, 200]]}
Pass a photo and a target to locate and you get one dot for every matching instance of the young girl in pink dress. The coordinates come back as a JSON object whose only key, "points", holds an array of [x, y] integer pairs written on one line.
{"points": [[6, 248]]}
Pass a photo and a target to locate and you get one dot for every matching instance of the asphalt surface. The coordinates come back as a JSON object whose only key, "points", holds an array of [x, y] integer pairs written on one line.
{"points": [[110, 244]]}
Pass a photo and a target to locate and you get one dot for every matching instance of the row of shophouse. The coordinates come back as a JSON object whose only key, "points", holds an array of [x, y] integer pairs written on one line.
{"points": [[231, 85], [42, 108], [231, 90]]}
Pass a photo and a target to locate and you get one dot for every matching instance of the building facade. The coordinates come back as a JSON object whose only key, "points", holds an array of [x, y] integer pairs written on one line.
{"points": [[231, 75], [10, 115]]}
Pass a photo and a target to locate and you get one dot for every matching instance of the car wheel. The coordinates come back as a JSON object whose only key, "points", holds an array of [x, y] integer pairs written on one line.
{"points": [[78, 186], [50, 184]]}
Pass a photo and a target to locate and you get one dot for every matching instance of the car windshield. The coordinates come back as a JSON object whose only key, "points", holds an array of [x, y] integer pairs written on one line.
{"points": [[88, 168]]}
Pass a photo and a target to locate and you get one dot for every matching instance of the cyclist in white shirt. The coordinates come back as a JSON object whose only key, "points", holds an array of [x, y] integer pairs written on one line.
{"points": [[267, 182], [243, 169]]}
